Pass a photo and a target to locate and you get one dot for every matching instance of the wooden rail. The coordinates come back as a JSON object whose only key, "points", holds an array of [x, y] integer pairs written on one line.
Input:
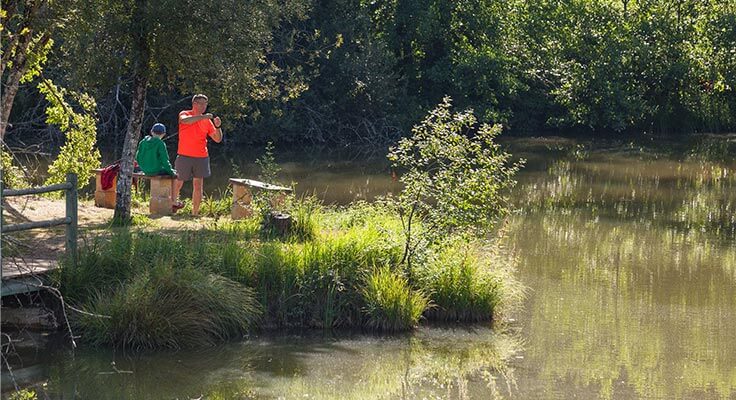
{"points": [[70, 220]]}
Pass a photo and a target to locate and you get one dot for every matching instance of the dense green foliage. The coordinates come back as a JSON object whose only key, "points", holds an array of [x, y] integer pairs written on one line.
{"points": [[13, 176], [79, 154], [364, 72], [166, 307]]}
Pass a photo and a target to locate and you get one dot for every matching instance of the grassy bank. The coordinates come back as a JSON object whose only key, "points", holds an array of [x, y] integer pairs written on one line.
{"points": [[338, 269]]}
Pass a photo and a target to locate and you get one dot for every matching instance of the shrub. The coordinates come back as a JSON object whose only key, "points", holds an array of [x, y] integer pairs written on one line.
{"points": [[456, 179]]}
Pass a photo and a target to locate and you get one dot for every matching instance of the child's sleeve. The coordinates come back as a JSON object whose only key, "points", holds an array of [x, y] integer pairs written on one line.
{"points": [[163, 157]]}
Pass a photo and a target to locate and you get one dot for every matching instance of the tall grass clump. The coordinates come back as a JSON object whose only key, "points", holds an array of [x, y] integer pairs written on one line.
{"points": [[333, 271], [462, 286], [173, 308], [275, 276], [216, 205], [390, 303], [103, 263], [312, 283], [305, 213], [329, 279], [244, 229], [342, 268]]}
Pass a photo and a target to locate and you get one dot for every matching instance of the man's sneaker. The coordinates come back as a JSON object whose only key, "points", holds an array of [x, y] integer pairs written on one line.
{"points": [[177, 206]]}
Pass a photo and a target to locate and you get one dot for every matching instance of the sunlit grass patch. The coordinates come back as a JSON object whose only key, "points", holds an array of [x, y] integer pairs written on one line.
{"points": [[463, 284], [390, 303]]}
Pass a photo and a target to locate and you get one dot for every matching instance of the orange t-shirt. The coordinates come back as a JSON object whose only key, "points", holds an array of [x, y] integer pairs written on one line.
{"points": [[193, 137]]}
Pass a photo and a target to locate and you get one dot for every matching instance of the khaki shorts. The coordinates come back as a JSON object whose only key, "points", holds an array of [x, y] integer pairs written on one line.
{"points": [[192, 167]]}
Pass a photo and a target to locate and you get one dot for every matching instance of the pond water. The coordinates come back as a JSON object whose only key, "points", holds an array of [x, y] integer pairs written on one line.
{"points": [[629, 258]]}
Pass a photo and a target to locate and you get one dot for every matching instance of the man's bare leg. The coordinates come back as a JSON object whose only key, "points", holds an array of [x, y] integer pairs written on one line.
{"points": [[196, 194], [177, 188]]}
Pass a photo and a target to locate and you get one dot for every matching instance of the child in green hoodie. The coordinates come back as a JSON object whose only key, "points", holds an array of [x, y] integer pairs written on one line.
{"points": [[153, 159]]}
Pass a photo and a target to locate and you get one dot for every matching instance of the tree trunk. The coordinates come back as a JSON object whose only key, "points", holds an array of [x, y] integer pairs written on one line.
{"points": [[17, 70], [16, 52], [137, 107], [132, 136]]}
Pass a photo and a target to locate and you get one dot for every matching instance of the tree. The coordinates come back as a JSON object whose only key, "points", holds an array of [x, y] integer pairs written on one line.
{"points": [[26, 36], [79, 153], [217, 47], [456, 178]]}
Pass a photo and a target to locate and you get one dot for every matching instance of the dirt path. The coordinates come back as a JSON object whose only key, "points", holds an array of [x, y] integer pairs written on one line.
{"points": [[41, 248]]}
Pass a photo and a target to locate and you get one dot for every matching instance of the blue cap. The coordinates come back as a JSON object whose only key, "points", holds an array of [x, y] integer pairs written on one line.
{"points": [[158, 128]]}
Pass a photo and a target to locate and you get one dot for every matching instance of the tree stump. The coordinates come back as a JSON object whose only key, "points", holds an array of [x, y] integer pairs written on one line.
{"points": [[279, 223]]}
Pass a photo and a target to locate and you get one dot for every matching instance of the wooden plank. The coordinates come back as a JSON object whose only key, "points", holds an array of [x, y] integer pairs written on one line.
{"points": [[259, 185], [17, 267], [33, 318], [153, 177], [36, 225], [37, 190], [18, 286]]}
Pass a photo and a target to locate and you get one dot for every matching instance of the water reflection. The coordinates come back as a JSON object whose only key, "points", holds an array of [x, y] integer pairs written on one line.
{"points": [[632, 265], [338, 177], [436, 362]]}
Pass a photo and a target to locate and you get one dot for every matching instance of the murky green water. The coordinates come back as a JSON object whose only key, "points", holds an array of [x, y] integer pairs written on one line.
{"points": [[630, 261], [430, 363]]}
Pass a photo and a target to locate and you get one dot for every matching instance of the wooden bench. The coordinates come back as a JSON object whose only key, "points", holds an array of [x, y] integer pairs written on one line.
{"points": [[243, 196], [162, 188], [104, 198]]}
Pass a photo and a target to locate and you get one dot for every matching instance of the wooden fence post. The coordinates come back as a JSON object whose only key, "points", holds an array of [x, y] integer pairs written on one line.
{"points": [[71, 214]]}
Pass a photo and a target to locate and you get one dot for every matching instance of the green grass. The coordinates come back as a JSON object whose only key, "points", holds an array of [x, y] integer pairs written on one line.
{"points": [[306, 213], [342, 270], [461, 285], [390, 303], [167, 307], [216, 205]]}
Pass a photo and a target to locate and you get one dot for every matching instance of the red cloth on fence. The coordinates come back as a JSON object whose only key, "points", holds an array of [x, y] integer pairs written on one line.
{"points": [[108, 174]]}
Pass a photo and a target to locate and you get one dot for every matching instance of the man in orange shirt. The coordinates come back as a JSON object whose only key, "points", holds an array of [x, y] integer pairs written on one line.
{"points": [[192, 160]]}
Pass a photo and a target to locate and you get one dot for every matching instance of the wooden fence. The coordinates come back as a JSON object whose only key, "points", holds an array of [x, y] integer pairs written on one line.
{"points": [[70, 219]]}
